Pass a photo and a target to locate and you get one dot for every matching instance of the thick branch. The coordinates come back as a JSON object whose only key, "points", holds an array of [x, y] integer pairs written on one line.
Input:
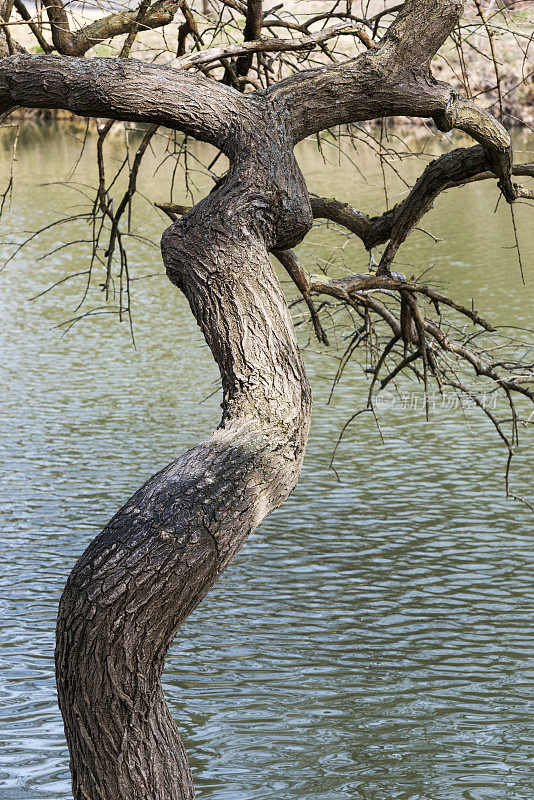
{"points": [[418, 31], [464, 115], [448, 170], [394, 79], [391, 79], [126, 90], [353, 92], [59, 24], [371, 230]]}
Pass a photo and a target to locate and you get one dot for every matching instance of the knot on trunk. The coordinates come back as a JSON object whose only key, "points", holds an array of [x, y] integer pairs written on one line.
{"points": [[293, 220]]}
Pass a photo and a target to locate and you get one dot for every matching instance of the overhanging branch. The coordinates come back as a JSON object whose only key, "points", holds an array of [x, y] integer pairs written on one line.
{"points": [[449, 170], [360, 290], [464, 115], [125, 90]]}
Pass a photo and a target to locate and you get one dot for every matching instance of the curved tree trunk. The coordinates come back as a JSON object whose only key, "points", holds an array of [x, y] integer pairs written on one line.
{"points": [[160, 554]]}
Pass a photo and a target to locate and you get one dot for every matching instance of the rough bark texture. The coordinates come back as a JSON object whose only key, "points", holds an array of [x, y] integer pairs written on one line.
{"points": [[161, 553], [126, 89], [157, 558]]}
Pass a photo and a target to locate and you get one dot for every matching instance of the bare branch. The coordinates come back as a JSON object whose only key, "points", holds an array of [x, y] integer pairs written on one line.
{"points": [[26, 16], [251, 33], [157, 15], [449, 170], [265, 46], [294, 268], [146, 17], [60, 27]]}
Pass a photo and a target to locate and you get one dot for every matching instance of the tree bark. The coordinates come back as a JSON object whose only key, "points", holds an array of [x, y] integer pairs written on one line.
{"points": [[161, 553], [126, 89]]}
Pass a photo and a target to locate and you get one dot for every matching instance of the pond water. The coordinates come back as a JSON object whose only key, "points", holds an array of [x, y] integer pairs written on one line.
{"points": [[374, 638]]}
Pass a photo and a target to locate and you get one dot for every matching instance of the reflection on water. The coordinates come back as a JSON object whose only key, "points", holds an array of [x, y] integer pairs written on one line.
{"points": [[372, 640]]}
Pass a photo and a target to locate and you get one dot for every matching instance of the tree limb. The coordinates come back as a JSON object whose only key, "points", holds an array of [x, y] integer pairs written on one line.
{"points": [[251, 33], [264, 46], [447, 171], [27, 17], [417, 33], [125, 90], [464, 115], [157, 15], [77, 43], [391, 79], [290, 262], [357, 289]]}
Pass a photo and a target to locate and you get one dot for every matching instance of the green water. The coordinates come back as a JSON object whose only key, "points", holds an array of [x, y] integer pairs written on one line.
{"points": [[374, 638]]}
